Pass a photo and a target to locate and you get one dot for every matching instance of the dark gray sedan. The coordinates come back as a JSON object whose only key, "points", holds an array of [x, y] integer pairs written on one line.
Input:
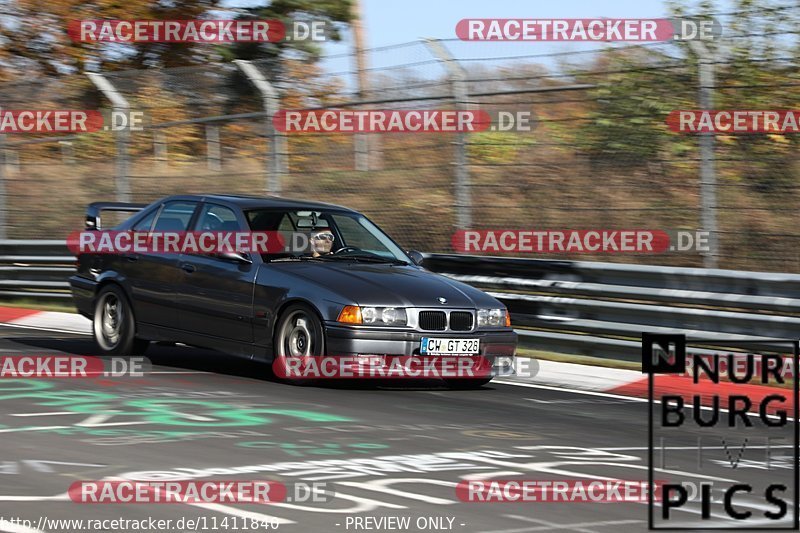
{"points": [[354, 291]]}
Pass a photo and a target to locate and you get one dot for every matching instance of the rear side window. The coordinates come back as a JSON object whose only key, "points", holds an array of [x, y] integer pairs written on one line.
{"points": [[175, 216], [147, 222]]}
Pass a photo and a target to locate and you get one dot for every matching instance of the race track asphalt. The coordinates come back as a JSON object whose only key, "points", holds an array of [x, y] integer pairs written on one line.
{"points": [[385, 451]]}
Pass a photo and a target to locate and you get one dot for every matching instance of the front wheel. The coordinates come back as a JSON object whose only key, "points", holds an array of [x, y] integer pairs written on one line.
{"points": [[113, 324], [298, 337]]}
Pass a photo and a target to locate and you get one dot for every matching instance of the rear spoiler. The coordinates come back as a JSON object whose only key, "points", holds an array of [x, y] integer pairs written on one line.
{"points": [[94, 209]]}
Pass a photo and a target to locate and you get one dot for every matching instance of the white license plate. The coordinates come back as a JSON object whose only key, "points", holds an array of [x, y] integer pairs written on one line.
{"points": [[433, 346]]}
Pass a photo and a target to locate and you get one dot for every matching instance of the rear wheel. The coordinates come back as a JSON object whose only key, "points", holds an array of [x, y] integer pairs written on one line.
{"points": [[298, 337], [113, 324]]}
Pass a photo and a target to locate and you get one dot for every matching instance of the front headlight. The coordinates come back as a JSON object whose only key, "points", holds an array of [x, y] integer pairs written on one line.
{"points": [[384, 316], [390, 315], [491, 318], [369, 315]]}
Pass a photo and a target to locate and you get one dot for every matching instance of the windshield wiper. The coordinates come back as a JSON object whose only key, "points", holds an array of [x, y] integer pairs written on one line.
{"points": [[293, 258], [331, 257], [364, 258]]}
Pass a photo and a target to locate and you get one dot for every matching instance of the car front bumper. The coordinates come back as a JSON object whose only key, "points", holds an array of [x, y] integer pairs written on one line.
{"points": [[344, 340]]}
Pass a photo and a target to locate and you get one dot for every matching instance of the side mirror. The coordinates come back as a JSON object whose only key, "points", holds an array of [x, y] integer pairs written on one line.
{"points": [[416, 257], [236, 257]]}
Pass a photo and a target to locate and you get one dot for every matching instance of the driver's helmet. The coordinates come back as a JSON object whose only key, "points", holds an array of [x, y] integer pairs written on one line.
{"points": [[321, 241]]}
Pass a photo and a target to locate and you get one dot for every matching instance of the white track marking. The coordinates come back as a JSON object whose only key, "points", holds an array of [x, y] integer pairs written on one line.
{"points": [[550, 526]]}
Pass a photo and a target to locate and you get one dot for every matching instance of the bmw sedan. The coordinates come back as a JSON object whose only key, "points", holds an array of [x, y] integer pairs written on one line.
{"points": [[338, 286]]}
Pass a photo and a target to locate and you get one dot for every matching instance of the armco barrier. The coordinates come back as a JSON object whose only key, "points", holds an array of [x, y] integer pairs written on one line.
{"points": [[35, 268], [576, 307], [601, 309]]}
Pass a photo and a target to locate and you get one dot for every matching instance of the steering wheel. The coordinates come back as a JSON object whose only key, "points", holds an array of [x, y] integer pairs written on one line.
{"points": [[345, 249], [212, 223]]}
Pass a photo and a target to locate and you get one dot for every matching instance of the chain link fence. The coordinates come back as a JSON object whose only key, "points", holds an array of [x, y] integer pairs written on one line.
{"points": [[599, 156]]}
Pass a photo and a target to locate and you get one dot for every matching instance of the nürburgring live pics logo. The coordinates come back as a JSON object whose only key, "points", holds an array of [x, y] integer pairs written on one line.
{"points": [[723, 433]]}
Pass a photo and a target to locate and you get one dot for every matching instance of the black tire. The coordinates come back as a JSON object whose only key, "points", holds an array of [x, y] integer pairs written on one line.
{"points": [[466, 383], [299, 333], [113, 324]]}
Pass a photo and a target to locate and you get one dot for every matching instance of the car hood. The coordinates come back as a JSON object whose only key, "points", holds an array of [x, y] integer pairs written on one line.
{"points": [[389, 285]]}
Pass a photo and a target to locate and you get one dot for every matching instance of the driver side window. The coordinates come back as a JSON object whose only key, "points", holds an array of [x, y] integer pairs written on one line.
{"points": [[217, 218]]}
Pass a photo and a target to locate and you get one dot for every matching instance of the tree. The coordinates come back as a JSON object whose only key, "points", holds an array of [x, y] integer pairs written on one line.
{"points": [[34, 40]]}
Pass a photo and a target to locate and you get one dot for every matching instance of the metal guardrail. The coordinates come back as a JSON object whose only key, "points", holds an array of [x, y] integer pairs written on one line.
{"points": [[35, 268], [588, 308], [601, 309]]}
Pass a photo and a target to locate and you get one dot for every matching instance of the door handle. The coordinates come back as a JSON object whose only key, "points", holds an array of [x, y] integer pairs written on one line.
{"points": [[188, 267], [132, 257]]}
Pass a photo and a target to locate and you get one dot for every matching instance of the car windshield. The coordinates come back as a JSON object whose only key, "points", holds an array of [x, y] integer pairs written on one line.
{"points": [[326, 235]]}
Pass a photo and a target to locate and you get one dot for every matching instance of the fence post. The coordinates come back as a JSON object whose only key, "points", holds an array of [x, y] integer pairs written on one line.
{"points": [[3, 196], [160, 148], [458, 80], [213, 153], [361, 143], [67, 152], [361, 151], [276, 164], [10, 160], [120, 105], [708, 176]]}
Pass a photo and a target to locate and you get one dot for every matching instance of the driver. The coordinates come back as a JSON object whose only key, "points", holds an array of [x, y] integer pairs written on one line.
{"points": [[321, 242]]}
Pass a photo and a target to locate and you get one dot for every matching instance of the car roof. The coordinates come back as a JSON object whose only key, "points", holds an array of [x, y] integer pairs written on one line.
{"points": [[256, 202]]}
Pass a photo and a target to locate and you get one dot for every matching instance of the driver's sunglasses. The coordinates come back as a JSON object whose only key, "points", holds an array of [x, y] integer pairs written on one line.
{"points": [[323, 237]]}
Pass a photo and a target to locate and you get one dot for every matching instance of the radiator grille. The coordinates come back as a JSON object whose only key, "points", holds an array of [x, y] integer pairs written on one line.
{"points": [[460, 321], [432, 320]]}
